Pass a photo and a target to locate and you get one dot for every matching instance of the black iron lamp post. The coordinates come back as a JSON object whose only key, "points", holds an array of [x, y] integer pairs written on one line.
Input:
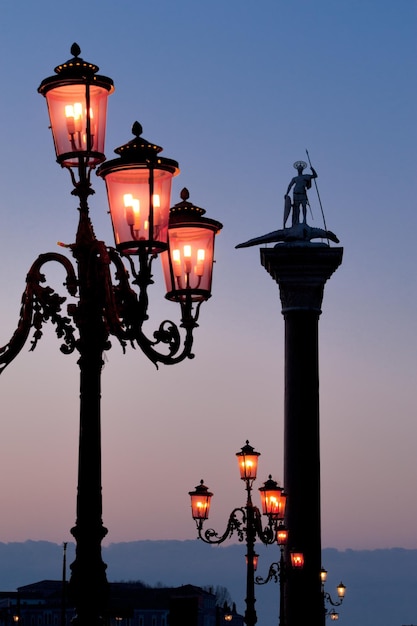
{"points": [[341, 590], [278, 571], [246, 521], [106, 302]]}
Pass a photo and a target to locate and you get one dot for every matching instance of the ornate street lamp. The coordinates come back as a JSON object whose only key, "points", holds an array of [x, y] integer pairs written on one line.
{"points": [[245, 521], [341, 591], [138, 186]]}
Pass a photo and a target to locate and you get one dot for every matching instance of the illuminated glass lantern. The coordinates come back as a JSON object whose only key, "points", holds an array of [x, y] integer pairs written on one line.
{"points": [[341, 590], [282, 535], [200, 502], [248, 462], [255, 560], [188, 266], [77, 106], [273, 499], [139, 192], [297, 559]]}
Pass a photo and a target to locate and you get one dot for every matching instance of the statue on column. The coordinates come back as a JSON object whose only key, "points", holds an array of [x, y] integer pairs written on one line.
{"points": [[299, 233], [301, 183]]}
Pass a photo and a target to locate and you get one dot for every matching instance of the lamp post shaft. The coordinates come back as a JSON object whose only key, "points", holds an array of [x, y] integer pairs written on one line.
{"points": [[88, 582], [250, 612], [281, 574]]}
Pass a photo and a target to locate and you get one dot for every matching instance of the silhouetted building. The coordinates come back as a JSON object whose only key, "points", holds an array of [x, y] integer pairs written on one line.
{"points": [[131, 604]]}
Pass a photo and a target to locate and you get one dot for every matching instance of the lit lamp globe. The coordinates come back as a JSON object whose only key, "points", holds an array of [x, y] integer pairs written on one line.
{"points": [[200, 502], [297, 559], [282, 535], [248, 462], [77, 107], [255, 560], [341, 590], [188, 264], [273, 499], [138, 186]]}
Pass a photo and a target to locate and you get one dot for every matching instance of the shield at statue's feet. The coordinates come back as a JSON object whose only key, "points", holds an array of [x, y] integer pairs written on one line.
{"points": [[287, 208]]}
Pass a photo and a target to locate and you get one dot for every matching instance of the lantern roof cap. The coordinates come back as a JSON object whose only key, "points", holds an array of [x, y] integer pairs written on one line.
{"points": [[76, 65], [247, 449], [186, 213], [139, 146], [73, 71], [201, 489], [270, 484], [138, 153], [185, 206]]}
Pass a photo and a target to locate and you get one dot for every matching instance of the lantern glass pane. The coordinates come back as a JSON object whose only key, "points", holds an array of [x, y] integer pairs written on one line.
{"points": [[248, 466], [297, 560], [200, 505], [76, 128], [282, 536], [273, 503], [129, 200], [188, 266]]}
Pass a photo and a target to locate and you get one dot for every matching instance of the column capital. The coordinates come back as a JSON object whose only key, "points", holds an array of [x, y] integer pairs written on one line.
{"points": [[301, 271]]}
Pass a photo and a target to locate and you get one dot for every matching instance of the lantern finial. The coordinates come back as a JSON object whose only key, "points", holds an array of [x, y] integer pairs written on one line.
{"points": [[75, 50], [137, 129]]}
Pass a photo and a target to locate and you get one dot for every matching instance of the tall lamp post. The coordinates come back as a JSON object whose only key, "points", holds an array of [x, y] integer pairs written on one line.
{"points": [[106, 303], [246, 521]]}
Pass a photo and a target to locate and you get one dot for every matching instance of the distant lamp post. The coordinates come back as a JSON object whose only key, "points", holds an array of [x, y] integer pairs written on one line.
{"points": [[227, 613], [333, 615], [278, 571], [246, 521], [341, 590], [110, 285]]}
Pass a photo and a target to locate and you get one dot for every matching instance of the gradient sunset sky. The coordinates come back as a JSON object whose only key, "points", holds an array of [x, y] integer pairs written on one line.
{"points": [[236, 91]]}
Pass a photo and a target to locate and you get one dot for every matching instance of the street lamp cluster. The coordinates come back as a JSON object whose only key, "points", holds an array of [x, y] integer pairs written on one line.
{"points": [[247, 523], [109, 285], [327, 599]]}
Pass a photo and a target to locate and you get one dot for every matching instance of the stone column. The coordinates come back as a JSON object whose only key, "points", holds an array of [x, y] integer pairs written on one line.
{"points": [[301, 271]]}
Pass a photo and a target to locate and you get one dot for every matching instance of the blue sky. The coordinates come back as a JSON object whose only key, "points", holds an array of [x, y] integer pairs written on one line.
{"points": [[236, 92]]}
